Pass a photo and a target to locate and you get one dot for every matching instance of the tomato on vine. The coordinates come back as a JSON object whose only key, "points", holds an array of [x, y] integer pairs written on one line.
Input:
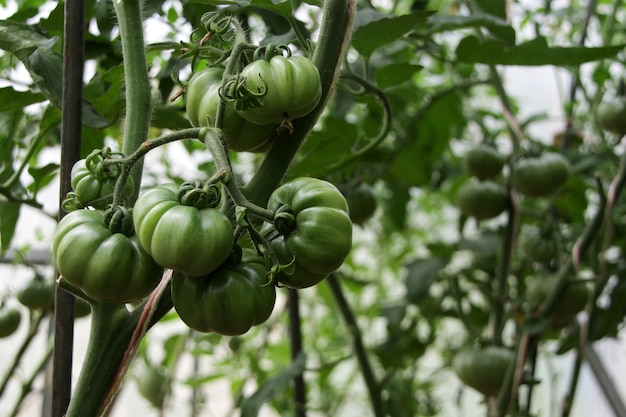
{"points": [[289, 87], [229, 300], [573, 300], [541, 176], [362, 202], [38, 294], [108, 265], [611, 116], [315, 227], [202, 99], [537, 246], [483, 369], [481, 199], [182, 227], [483, 162], [10, 319]]}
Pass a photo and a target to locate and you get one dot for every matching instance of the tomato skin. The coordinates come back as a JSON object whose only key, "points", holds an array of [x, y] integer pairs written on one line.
{"points": [[202, 100], [362, 203], [483, 369], [481, 199], [573, 300], [93, 190], [541, 176], [38, 294], [536, 247], [322, 235], [109, 267], [483, 162], [184, 238], [292, 84], [611, 116], [229, 300], [10, 319]]}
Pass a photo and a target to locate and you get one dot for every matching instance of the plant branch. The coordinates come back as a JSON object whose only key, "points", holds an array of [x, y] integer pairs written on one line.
{"points": [[27, 385]]}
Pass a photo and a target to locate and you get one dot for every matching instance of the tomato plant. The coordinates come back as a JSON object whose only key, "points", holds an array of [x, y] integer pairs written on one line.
{"points": [[541, 176], [10, 319], [181, 231], [611, 116], [153, 384], [291, 89], [316, 230], [229, 300], [107, 266], [362, 202], [483, 369], [481, 199], [202, 99], [38, 294], [573, 300], [483, 162], [537, 246]]}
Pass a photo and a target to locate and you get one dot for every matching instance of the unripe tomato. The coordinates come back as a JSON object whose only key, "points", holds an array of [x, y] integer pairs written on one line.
{"points": [[292, 89], [541, 176], [612, 117], [9, 321], [96, 189], [483, 369], [573, 300], [536, 246], [481, 199], [483, 162], [194, 241], [312, 216], [38, 294], [202, 100], [362, 202], [107, 266], [229, 300]]}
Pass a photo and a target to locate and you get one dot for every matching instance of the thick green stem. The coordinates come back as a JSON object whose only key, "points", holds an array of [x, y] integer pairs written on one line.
{"points": [[137, 83], [329, 53]]}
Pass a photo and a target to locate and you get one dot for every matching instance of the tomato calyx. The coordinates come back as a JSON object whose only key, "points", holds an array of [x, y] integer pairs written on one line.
{"points": [[285, 220], [119, 219], [95, 162], [200, 196]]}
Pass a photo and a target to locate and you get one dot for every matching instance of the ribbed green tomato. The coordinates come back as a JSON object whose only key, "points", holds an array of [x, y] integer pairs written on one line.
{"points": [[316, 227], [9, 321], [96, 189], [229, 300], [481, 199], [38, 294], [483, 162], [292, 89], [483, 369], [109, 267], [537, 247], [202, 100], [541, 176], [191, 240], [612, 116]]}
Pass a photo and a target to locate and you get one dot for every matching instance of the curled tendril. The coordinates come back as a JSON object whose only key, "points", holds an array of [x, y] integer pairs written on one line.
{"points": [[200, 196], [96, 163], [271, 50], [284, 220], [214, 22], [237, 91], [119, 219], [71, 202]]}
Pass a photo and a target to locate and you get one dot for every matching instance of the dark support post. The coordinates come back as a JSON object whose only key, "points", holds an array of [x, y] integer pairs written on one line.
{"points": [[296, 347]]}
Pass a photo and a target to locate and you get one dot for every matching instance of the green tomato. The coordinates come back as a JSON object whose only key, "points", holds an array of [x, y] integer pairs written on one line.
{"points": [[541, 176], [573, 300], [94, 189], [292, 89], [109, 267], [481, 199], [483, 162], [181, 237], [38, 294], [316, 230], [536, 246], [202, 100], [9, 321], [362, 203], [229, 300], [612, 117], [81, 308], [483, 369]]}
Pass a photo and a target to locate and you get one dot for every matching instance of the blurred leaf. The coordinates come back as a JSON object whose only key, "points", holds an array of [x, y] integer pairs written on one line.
{"points": [[395, 209], [498, 26], [395, 74], [571, 201], [9, 214], [11, 99], [494, 7], [532, 53], [366, 39], [422, 273], [251, 405], [42, 176]]}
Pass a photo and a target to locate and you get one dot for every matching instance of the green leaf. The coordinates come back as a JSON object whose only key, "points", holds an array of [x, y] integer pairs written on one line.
{"points": [[42, 176], [395, 74], [9, 213], [251, 405], [497, 26], [281, 8], [422, 273], [532, 53], [11, 99], [372, 36], [494, 7]]}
